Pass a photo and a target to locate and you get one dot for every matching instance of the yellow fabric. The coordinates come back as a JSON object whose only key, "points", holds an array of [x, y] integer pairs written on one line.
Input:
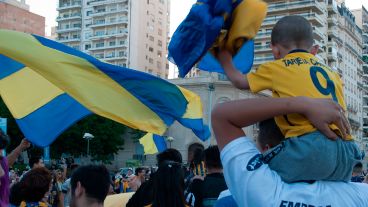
{"points": [[148, 143], [85, 83], [118, 200], [194, 108], [290, 77], [246, 20], [34, 90]]}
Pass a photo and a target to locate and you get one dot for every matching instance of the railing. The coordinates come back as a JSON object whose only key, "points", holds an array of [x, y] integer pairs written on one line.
{"points": [[73, 4]]}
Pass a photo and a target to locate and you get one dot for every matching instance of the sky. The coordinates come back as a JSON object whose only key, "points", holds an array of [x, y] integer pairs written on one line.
{"points": [[179, 9]]}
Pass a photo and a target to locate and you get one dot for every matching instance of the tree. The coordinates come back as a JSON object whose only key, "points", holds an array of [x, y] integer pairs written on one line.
{"points": [[107, 141]]}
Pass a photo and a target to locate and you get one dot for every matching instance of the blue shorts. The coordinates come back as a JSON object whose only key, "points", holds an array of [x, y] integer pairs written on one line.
{"points": [[314, 157]]}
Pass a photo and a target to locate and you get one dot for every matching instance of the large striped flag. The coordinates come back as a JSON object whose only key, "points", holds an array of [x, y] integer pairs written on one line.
{"points": [[48, 86], [153, 143]]}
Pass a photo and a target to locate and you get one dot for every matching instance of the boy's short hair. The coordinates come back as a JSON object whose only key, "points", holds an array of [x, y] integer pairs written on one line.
{"points": [[269, 133], [293, 31]]}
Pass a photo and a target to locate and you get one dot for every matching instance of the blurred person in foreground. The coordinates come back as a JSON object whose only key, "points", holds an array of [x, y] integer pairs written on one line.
{"points": [[89, 186], [144, 195]]}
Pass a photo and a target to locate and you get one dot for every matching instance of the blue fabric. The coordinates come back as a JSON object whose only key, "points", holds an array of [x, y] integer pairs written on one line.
{"points": [[45, 124], [227, 201], [194, 36], [198, 128], [11, 66], [243, 60], [197, 33], [159, 142]]}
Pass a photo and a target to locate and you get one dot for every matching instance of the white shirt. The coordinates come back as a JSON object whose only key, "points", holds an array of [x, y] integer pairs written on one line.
{"points": [[253, 183]]}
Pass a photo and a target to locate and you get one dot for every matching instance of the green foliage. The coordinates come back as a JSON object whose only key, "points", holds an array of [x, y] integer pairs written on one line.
{"points": [[106, 143]]}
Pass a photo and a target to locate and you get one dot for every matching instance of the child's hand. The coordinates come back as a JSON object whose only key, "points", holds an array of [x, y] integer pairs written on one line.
{"points": [[224, 57]]}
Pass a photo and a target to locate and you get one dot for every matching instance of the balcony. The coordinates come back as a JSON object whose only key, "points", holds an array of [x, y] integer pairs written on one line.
{"points": [[114, 57], [109, 35], [295, 6], [332, 56], [108, 47], [102, 2], [333, 33], [312, 17], [65, 40], [332, 7], [103, 13], [69, 17], [262, 48], [262, 59], [318, 34], [76, 4], [68, 29], [333, 21], [365, 26], [109, 23], [263, 35]]}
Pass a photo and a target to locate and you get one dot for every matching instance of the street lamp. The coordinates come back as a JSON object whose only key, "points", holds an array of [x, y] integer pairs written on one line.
{"points": [[88, 137], [170, 139]]}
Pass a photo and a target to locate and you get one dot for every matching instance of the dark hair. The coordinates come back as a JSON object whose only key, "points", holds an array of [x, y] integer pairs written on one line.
{"points": [[196, 149], [169, 154], [95, 180], [212, 157], [35, 184], [34, 160], [269, 133], [15, 197], [293, 31], [358, 168], [138, 170], [168, 185], [4, 139]]}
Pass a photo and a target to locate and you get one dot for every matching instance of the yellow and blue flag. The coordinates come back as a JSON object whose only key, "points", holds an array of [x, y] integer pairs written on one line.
{"points": [[153, 143], [48, 86]]}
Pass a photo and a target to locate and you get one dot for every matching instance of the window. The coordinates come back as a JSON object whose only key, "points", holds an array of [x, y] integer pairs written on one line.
{"points": [[100, 33], [150, 71], [159, 53], [160, 32], [159, 42], [151, 38], [150, 49], [112, 43], [87, 46], [100, 44], [150, 60], [159, 64]]}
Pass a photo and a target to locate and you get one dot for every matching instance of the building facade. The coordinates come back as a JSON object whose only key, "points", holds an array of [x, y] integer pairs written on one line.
{"points": [[361, 16], [127, 33], [15, 15]]}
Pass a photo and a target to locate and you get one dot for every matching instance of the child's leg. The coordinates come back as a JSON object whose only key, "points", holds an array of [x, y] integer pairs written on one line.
{"points": [[314, 157]]}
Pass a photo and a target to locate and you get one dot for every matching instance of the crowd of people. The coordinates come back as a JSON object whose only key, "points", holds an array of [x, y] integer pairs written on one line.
{"points": [[303, 155]]}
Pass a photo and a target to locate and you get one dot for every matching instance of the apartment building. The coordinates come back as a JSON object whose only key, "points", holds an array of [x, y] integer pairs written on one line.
{"points": [[127, 33], [361, 16], [15, 15]]}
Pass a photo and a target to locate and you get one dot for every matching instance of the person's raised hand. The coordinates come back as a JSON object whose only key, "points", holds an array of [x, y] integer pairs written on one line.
{"points": [[25, 144]]}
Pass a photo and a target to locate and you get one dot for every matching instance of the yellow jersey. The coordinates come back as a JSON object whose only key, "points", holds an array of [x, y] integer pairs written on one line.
{"points": [[298, 74]]}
